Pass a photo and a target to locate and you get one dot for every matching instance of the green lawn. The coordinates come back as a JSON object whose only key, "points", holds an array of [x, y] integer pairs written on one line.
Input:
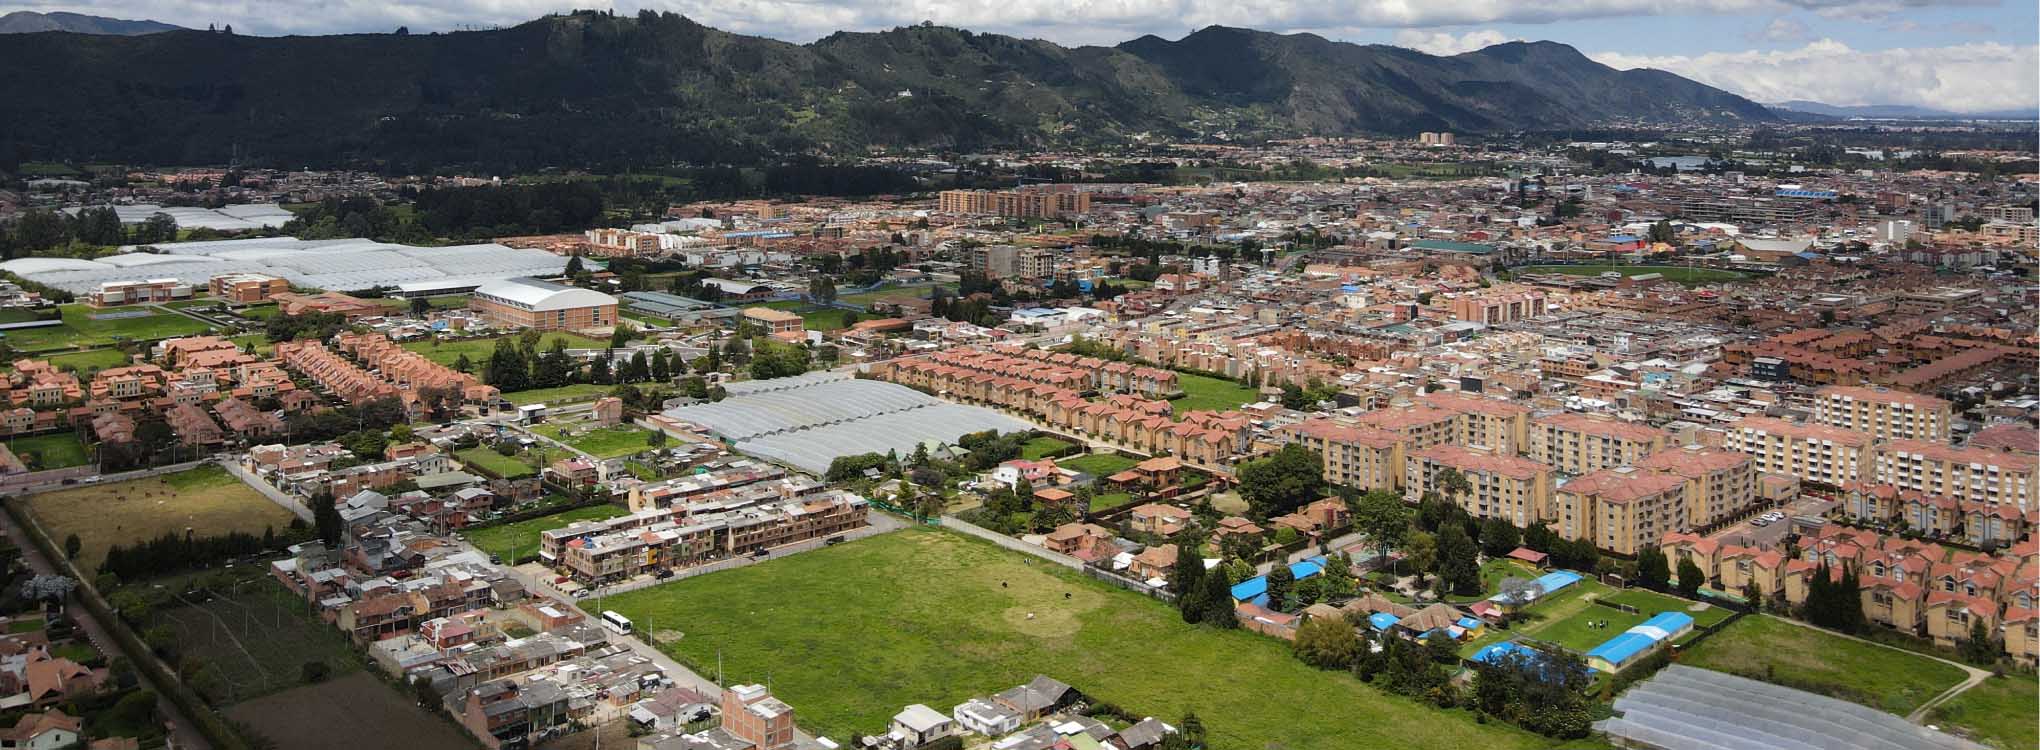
{"points": [[506, 467], [262, 344], [52, 451], [2003, 712], [87, 361], [1043, 447], [918, 292], [1773, 650], [847, 639], [1651, 603], [1680, 274], [81, 329], [608, 442], [565, 394], [511, 540], [478, 350], [1201, 393], [1564, 617], [1100, 465], [1110, 500]]}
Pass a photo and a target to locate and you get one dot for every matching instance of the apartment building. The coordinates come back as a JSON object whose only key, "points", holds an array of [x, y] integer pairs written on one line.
{"points": [[1584, 443], [751, 714], [1977, 475], [1621, 509], [1499, 305], [1364, 458], [993, 261], [1422, 425], [682, 535], [117, 293], [1488, 423], [1811, 452], [243, 288], [1884, 413], [1508, 487], [543, 305], [774, 321], [1719, 483], [1023, 204]]}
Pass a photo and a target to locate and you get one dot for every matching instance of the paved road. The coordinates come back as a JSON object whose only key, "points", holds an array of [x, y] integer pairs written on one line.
{"points": [[182, 733], [108, 478]]}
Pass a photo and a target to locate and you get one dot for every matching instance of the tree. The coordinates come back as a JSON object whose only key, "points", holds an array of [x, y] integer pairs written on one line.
{"points": [[1458, 566], [72, 545], [48, 587], [326, 519], [1652, 570], [778, 360], [1383, 518], [1979, 647], [574, 266], [1218, 603], [1421, 552], [1283, 481], [822, 289], [1186, 578], [424, 693], [1690, 578], [420, 307], [1327, 643], [507, 369], [1280, 581], [1498, 537], [314, 671]]}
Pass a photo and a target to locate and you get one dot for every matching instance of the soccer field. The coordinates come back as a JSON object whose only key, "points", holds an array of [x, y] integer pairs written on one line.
{"points": [[851, 633], [84, 326]]}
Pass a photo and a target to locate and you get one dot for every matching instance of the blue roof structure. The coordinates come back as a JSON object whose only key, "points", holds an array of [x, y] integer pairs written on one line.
{"points": [[1255, 590], [1669, 622], [1620, 649], [1499, 650], [1557, 579], [1813, 194], [1622, 238], [1382, 620], [1469, 623]]}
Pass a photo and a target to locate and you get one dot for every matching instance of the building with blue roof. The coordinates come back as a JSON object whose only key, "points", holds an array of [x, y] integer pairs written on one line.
{"points": [[1618, 652], [1382, 621], [1255, 590]]}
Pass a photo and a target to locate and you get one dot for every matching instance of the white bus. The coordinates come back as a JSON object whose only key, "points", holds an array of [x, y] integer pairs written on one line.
{"points": [[615, 622]]}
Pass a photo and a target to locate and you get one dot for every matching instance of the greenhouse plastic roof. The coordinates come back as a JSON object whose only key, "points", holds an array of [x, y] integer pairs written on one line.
{"points": [[225, 218], [807, 421], [1687, 708], [340, 265]]}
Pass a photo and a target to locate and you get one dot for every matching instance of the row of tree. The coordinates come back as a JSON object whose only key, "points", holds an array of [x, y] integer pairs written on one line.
{"points": [[39, 231]]}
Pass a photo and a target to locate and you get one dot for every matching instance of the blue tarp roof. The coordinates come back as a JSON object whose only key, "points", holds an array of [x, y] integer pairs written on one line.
{"points": [[1469, 623], [1670, 622], [1382, 620], [1622, 648], [1256, 589], [1500, 650], [1556, 580], [1622, 238]]}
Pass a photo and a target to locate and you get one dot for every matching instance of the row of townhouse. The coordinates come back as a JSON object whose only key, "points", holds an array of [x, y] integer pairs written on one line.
{"points": [[1838, 457], [1073, 371], [678, 536], [410, 371], [1977, 523], [1914, 586], [337, 374]]}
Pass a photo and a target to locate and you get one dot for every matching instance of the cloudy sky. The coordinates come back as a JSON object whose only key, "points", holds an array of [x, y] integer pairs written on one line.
{"points": [[1965, 55]]}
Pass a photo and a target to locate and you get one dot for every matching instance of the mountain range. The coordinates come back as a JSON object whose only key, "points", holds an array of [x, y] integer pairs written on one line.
{"points": [[1895, 112], [31, 22], [597, 90]]}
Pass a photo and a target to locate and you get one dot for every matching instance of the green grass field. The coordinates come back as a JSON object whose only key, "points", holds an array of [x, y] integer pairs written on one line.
{"points": [[506, 467], [96, 359], [53, 451], [510, 540], [478, 350], [919, 291], [1100, 465], [1563, 617], [608, 442], [1651, 603], [565, 394], [1212, 394], [80, 329], [1043, 447], [206, 500], [2002, 712], [1773, 650], [850, 633], [1680, 274], [1110, 500]]}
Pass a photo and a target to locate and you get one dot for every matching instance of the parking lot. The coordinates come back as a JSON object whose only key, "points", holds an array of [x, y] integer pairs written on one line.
{"points": [[1755, 531]]}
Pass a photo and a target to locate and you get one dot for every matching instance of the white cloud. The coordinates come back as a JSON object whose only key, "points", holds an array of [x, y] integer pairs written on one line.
{"points": [[1445, 43], [1965, 77], [1780, 30], [1067, 21]]}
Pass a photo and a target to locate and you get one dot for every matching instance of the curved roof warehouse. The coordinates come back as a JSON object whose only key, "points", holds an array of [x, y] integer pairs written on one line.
{"points": [[533, 303]]}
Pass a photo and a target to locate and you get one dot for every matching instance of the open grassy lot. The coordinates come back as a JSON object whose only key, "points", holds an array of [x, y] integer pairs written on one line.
{"points": [[478, 350], [1110, 500], [1043, 447], [257, 637], [1680, 274], [507, 467], [608, 442], [848, 639], [206, 500], [96, 359], [1651, 603], [521, 538], [1100, 465], [2003, 712], [82, 329], [565, 394], [53, 451], [1212, 394], [1773, 650], [1570, 618], [331, 716], [919, 291]]}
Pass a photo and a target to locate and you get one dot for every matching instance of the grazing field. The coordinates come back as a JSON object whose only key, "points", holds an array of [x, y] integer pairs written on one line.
{"points": [[1651, 603], [2003, 712], [1680, 274], [1043, 447], [853, 632], [1202, 393], [478, 350], [54, 451], [511, 540], [565, 394], [82, 329], [1773, 650], [1099, 465], [333, 715], [206, 499], [607, 442], [257, 638], [506, 467]]}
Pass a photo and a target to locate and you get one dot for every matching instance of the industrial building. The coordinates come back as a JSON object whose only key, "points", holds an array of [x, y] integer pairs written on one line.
{"points": [[544, 305]]}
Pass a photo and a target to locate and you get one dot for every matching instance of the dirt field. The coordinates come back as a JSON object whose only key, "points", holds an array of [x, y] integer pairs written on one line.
{"points": [[206, 500], [356, 712]]}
